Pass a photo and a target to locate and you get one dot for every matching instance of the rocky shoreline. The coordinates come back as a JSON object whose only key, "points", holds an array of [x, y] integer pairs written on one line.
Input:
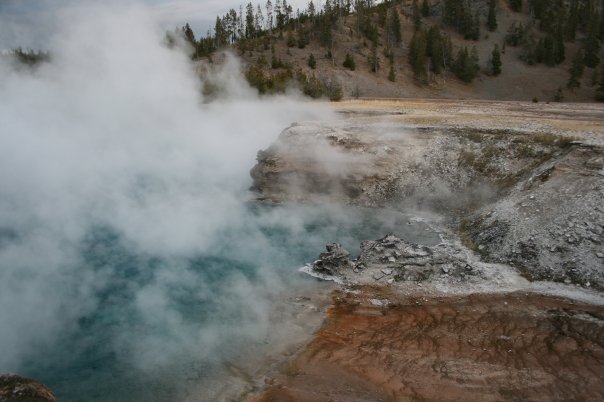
{"points": [[530, 196], [516, 191]]}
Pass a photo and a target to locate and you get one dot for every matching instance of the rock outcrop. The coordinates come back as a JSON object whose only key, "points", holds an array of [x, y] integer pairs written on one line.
{"points": [[333, 262], [14, 388], [530, 195], [391, 259]]}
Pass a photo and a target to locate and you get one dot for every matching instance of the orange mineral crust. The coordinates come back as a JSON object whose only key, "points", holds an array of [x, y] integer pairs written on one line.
{"points": [[376, 346]]}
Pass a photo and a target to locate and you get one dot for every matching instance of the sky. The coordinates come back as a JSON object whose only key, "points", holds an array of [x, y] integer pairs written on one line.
{"points": [[27, 23]]}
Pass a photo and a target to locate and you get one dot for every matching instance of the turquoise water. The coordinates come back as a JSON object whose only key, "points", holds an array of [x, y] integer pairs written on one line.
{"points": [[162, 322]]}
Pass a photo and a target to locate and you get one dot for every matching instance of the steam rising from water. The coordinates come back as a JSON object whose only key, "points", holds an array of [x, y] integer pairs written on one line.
{"points": [[115, 180]]}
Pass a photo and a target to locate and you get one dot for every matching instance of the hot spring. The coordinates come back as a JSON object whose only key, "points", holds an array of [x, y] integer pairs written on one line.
{"points": [[136, 345], [131, 265]]}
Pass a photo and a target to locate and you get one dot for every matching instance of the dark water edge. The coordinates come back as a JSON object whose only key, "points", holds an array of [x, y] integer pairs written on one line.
{"points": [[210, 306]]}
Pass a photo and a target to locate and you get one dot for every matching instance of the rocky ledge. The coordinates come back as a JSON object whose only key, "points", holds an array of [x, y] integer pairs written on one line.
{"points": [[526, 192], [394, 259], [14, 388]]}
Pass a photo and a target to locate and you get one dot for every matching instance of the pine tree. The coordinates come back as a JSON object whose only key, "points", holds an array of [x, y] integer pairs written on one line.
{"points": [[373, 59], [311, 9], [572, 22], [435, 49], [188, 33], [417, 16], [453, 12], [592, 44], [250, 27], [466, 65], [312, 62], [469, 24], [492, 17], [392, 74], [291, 41], [559, 48], [475, 27], [221, 36], [516, 5], [548, 51], [349, 62], [394, 27], [474, 61], [496, 61], [269, 15], [576, 70], [417, 56], [425, 8]]}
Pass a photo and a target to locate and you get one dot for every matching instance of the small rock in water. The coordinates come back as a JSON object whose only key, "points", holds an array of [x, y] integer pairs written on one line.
{"points": [[387, 271], [335, 260], [391, 259], [599, 255], [377, 276]]}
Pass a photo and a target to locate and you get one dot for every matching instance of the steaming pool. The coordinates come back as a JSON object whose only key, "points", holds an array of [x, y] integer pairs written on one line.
{"points": [[162, 324]]}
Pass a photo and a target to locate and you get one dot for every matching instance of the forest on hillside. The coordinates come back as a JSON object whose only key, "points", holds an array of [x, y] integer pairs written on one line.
{"points": [[542, 34]]}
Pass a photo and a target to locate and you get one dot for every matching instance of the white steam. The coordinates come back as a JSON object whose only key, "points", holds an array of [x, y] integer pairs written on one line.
{"points": [[114, 133]]}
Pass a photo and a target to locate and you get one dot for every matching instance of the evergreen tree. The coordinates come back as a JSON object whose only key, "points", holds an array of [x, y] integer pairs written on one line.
{"points": [[425, 8], [592, 43], [417, 16], [474, 61], [492, 17], [417, 56], [453, 12], [291, 41], [436, 49], [576, 70], [572, 22], [349, 62], [392, 74], [474, 28], [270, 23], [312, 62], [516, 5], [394, 27], [250, 26], [188, 34], [221, 36], [259, 20], [466, 65], [496, 61], [373, 59], [559, 48], [549, 51], [311, 9]]}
